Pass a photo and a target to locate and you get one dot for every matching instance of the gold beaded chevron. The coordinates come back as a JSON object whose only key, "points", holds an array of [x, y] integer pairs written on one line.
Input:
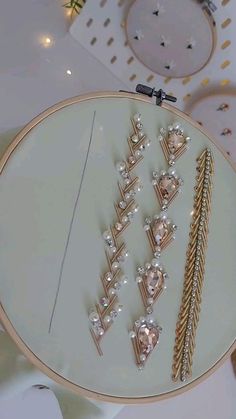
{"points": [[194, 270], [108, 308]]}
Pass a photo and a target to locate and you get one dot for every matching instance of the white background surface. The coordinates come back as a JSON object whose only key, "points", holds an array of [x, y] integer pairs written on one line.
{"points": [[31, 79]]}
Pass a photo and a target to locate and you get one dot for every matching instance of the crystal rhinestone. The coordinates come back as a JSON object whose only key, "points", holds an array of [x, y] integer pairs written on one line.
{"points": [[139, 279], [137, 323], [148, 337], [150, 301], [140, 270], [175, 141], [118, 226], [113, 314], [122, 204], [168, 184], [127, 181], [155, 174], [124, 279], [104, 302], [148, 220], [125, 174], [134, 139], [153, 280], [132, 334], [127, 195], [118, 308], [160, 230]]}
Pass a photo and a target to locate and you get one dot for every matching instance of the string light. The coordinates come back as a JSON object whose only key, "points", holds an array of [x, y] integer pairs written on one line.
{"points": [[46, 41]]}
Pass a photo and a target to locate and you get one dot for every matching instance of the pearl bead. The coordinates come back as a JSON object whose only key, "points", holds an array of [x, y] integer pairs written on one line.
{"points": [[139, 279], [118, 308], [115, 265], [134, 139], [124, 219], [100, 332], [112, 292], [132, 334], [155, 263], [176, 126], [142, 319], [150, 301], [108, 276], [94, 317], [120, 166], [137, 117], [107, 319], [142, 357], [148, 265], [107, 235], [124, 279]]}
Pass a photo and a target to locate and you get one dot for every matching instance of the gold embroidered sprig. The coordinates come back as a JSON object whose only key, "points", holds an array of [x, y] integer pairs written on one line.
{"points": [[194, 270]]}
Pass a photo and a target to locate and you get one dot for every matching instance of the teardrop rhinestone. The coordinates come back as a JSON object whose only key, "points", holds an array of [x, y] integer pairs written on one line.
{"points": [[175, 142], [148, 337], [160, 230], [168, 184], [153, 280]]}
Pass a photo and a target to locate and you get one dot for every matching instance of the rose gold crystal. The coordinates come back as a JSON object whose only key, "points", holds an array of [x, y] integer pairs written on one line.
{"points": [[153, 280], [148, 338], [160, 230], [168, 185], [175, 141]]}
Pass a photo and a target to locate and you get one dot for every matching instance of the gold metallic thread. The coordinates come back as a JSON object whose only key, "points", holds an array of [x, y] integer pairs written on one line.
{"points": [[194, 270]]}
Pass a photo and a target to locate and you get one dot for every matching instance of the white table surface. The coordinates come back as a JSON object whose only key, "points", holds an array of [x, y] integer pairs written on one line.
{"points": [[31, 79]]}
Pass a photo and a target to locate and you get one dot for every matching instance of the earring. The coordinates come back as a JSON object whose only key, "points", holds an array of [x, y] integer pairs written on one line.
{"points": [[108, 308], [152, 277]]}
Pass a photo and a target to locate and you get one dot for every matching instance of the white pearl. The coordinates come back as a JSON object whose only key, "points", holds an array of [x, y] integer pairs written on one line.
{"points": [[113, 249], [142, 357], [107, 319], [137, 153], [107, 235], [139, 279], [150, 319], [155, 263], [124, 219], [148, 265], [135, 209], [124, 279], [115, 265], [137, 117], [176, 126], [147, 142], [142, 319], [94, 317], [150, 301], [172, 172], [125, 253], [120, 166], [132, 334], [112, 292], [118, 308], [101, 332]]}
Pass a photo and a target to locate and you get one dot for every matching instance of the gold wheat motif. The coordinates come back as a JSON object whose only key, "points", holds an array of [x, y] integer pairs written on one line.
{"points": [[194, 270], [108, 308]]}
